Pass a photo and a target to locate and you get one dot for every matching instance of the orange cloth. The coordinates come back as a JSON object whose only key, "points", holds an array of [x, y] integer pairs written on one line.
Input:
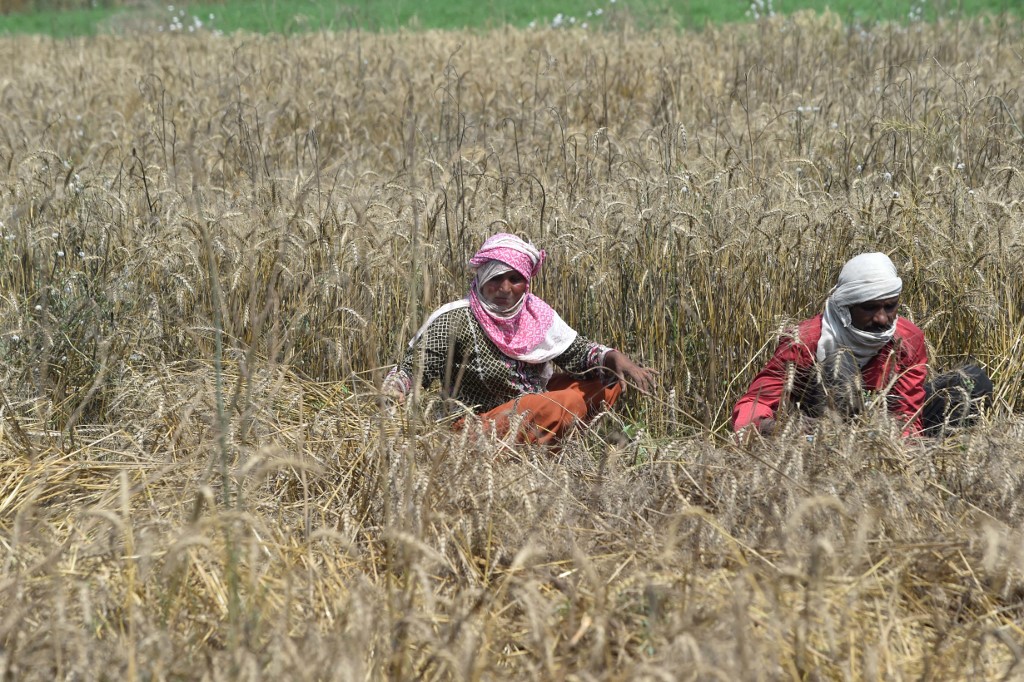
{"points": [[548, 416]]}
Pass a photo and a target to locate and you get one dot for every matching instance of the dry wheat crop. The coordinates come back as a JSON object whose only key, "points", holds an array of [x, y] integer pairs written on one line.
{"points": [[213, 246]]}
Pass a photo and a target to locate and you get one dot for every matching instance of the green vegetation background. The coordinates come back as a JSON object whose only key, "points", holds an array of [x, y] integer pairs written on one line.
{"points": [[64, 18]]}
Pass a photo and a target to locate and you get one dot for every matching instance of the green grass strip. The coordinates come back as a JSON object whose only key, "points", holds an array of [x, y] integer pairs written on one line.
{"points": [[289, 16]]}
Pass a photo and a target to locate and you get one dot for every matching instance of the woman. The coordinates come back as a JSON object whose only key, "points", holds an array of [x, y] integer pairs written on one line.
{"points": [[496, 349]]}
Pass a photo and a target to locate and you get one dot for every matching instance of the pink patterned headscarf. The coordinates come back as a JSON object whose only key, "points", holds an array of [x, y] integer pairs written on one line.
{"points": [[521, 330], [521, 256]]}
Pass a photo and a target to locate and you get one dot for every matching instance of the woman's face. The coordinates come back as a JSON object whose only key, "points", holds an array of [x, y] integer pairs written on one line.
{"points": [[504, 290]]}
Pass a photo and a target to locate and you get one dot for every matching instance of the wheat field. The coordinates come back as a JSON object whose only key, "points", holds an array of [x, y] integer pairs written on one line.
{"points": [[214, 246]]}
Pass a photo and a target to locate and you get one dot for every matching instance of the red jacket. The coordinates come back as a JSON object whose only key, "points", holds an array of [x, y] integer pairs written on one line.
{"points": [[902, 360]]}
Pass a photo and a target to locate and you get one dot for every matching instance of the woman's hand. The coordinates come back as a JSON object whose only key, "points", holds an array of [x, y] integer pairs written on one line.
{"points": [[627, 371], [392, 394]]}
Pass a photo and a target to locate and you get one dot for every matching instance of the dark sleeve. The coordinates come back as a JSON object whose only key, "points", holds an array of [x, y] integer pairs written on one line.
{"points": [[582, 356], [437, 352]]}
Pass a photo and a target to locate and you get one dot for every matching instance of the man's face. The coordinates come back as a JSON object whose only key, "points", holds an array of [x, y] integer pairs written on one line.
{"points": [[874, 316]]}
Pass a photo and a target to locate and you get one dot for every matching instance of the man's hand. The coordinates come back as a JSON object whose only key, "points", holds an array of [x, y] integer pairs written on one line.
{"points": [[764, 427], [629, 372], [767, 426]]}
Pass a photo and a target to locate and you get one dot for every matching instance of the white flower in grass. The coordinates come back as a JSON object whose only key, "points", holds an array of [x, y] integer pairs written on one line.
{"points": [[39, 307], [895, 195], [887, 176], [960, 165], [15, 337], [60, 254]]}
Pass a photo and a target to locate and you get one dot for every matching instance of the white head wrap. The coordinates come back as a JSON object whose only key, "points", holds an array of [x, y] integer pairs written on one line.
{"points": [[867, 277]]}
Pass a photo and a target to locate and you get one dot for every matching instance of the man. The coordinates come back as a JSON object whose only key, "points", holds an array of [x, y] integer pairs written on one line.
{"points": [[859, 344]]}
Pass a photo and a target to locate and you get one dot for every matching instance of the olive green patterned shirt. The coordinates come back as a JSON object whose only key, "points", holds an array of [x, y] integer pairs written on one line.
{"points": [[456, 351]]}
